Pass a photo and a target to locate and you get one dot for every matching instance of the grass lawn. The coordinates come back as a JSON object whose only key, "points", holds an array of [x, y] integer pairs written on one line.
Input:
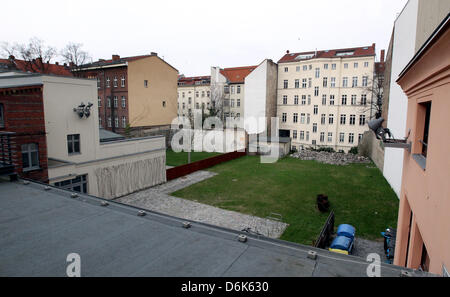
{"points": [[359, 196], [181, 158]]}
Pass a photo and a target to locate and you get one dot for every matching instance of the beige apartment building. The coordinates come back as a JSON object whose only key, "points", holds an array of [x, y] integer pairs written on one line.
{"points": [[193, 93], [324, 97]]}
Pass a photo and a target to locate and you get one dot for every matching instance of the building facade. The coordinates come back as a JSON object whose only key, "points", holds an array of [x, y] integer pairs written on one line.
{"points": [[411, 28], [134, 92], [324, 98], [76, 157], [193, 93], [423, 233]]}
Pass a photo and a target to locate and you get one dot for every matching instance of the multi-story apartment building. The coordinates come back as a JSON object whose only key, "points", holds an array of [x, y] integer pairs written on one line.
{"points": [[137, 92], [193, 93], [324, 97]]}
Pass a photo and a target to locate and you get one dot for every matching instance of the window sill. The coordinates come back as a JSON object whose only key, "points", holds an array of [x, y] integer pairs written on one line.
{"points": [[420, 160], [74, 154], [25, 170]]}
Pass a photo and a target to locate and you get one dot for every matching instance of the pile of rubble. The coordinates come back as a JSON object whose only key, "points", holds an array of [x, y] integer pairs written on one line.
{"points": [[330, 158]]}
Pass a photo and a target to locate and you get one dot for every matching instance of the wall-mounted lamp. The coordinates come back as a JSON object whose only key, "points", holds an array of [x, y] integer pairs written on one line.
{"points": [[83, 110], [387, 137]]}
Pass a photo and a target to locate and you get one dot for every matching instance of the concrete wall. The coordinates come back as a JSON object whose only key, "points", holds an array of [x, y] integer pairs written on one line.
{"points": [[373, 148], [255, 99], [146, 103], [403, 50]]}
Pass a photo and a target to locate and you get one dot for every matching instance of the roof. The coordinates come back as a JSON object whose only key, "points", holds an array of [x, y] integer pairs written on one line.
{"points": [[438, 32], [35, 67], [106, 135], [334, 53], [40, 228], [188, 81], [237, 74], [117, 61]]}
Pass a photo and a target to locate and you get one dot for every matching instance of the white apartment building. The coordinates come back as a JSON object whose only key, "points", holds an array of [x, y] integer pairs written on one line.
{"points": [[77, 158], [193, 93], [324, 97]]}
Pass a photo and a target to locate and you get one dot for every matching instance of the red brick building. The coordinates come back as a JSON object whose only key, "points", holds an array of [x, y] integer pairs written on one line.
{"points": [[22, 112], [34, 66]]}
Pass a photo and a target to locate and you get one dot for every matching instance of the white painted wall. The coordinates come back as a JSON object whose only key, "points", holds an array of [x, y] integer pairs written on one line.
{"points": [[255, 99], [403, 51]]}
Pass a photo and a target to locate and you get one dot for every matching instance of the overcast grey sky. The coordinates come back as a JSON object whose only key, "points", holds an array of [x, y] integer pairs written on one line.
{"points": [[194, 35]]}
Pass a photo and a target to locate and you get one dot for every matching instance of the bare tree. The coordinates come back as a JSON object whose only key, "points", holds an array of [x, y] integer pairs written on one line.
{"points": [[8, 49], [36, 54], [75, 56], [374, 103]]}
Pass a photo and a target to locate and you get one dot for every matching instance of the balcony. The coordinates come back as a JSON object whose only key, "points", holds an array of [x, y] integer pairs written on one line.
{"points": [[6, 153]]}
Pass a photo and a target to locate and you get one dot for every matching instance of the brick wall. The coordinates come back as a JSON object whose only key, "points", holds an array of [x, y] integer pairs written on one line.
{"points": [[24, 115]]}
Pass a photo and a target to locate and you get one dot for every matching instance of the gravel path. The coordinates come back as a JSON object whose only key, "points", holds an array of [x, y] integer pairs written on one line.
{"points": [[158, 199]]}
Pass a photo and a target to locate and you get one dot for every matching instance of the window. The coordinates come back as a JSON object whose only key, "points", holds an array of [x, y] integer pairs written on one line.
{"points": [[322, 136], [238, 102], [344, 82], [341, 137], [344, 100], [331, 119], [309, 82], [353, 100], [122, 82], [297, 68], [302, 135], [284, 99], [425, 112], [297, 83], [284, 117], [109, 102], [124, 122], [302, 118], [124, 102], [324, 99], [317, 72], [232, 89], [73, 143], [310, 67], [107, 82], [309, 99], [197, 94], [286, 69], [184, 105], [304, 83], [352, 119], [238, 89], [365, 80], [285, 84], [314, 130], [308, 117], [99, 99], [109, 122], [296, 99], [351, 137], [305, 67], [363, 99], [190, 101], [333, 66], [115, 101], [316, 91], [146, 83], [303, 99], [354, 82], [333, 82], [197, 105], [183, 94], [366, 64], [307, 135], [331, 99], [360, 136], [294, 134], [115, 82], [325, 66], [325, 82], [362, 120], [323, 118], [355, 65], [207, 94], [343, 119], [116, 122], [238, 115], [98, 82], [345, 65], [316, 109], [100, 121], [330, 136], [77, 184], [30, 156]]}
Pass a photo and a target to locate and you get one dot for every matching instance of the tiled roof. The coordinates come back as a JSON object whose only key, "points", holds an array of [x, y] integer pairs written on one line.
{"points": [[237, 74], [334, 53], [36, 67]]}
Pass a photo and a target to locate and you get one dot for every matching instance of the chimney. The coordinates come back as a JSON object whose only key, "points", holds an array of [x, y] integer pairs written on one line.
{"points": [[71, 64], [382, 56], [56, 63], [373, 45], [115, 57], [12, 58], [287, 52], [153, 54]]}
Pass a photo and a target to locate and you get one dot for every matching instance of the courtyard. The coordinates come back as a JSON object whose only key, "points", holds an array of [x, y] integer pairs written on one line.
{"points": [[358, 194]]}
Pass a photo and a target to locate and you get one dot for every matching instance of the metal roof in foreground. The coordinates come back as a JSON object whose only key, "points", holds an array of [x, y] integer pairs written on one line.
{"points": [[41, 225]]}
